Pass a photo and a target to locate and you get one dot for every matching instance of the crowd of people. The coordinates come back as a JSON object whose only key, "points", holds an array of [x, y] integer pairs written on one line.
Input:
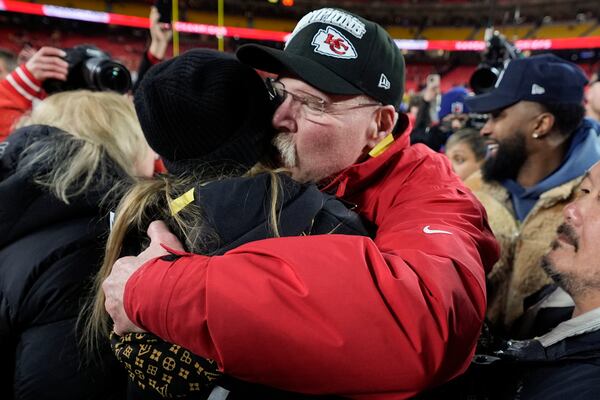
{"points": [[272, 225]]}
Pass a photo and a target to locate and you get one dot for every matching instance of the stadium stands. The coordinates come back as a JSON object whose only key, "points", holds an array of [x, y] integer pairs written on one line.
{"points": [[128, 46], [446, 33], [563, 29]]}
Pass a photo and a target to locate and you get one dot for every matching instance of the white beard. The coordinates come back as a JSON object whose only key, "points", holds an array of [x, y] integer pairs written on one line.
{"points": [[287, 149]]}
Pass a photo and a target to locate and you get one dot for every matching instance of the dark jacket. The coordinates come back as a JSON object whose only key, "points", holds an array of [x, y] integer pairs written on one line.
{"points": [[563, 359], [49, 251], [563, 362], [237, 211]]}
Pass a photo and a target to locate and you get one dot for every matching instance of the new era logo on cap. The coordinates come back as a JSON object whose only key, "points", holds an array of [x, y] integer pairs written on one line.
{"points": [[384, 82], [537, 89], [330, 42]]}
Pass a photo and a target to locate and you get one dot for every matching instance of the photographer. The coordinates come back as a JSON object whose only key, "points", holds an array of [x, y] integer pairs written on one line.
{"points": [[51, 70], [21, 88]]}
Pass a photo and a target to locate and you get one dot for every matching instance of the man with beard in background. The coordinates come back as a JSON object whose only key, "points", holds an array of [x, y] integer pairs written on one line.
{"points": [[555, 352], [540, 146], [564, 318]]}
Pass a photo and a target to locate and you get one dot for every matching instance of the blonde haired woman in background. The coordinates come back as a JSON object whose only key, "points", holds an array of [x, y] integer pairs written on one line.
{"points": [[60, 175]]}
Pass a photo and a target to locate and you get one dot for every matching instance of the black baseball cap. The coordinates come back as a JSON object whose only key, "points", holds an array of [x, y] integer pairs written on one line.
{"points": [[544, 78], [338, 53]]}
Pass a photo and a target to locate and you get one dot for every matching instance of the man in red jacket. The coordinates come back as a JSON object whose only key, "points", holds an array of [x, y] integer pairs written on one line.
{"points": [[366, 318]]}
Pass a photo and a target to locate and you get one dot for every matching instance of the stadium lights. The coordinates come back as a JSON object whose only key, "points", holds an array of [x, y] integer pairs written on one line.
{"points": [[286, 3]]}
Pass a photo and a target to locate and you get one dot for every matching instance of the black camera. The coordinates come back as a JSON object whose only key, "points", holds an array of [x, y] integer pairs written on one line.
{"points": [[499, 52], [93, 69]]}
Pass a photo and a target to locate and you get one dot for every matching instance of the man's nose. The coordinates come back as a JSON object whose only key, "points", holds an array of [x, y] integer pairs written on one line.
{"points": [[284, 118], [572, 214], [486, 130]]}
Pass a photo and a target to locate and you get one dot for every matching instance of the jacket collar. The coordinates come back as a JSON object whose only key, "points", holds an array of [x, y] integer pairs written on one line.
{"points": [[547, 199], [360, 175]]}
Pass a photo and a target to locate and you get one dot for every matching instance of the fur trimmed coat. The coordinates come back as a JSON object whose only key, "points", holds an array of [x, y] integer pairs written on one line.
{"points": [[518, 273]]}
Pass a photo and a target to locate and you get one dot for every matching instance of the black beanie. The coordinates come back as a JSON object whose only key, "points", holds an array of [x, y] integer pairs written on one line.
{"points": [[205, 107]]}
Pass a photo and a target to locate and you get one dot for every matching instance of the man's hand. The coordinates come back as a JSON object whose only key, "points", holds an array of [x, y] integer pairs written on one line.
{"points": [[160, 33], [114, 285], [47, 63]]}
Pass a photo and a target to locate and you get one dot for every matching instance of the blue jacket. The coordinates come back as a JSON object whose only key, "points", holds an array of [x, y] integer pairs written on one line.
{"points": [[583, 152]]}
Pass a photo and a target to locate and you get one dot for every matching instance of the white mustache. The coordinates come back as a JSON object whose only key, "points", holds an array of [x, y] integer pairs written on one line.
{"points": [[287, 149]]}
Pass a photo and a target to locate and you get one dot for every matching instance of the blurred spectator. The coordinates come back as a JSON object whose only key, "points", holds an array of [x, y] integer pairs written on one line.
{"points": [[414, 104], [427, 113], [58, 182], [466, 150], [452, 115], [8, 62], [23, 86], [540, 147], [592, 97], [453, 111]]}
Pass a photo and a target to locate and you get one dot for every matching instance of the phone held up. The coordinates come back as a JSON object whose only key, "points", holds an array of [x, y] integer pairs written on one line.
{"points": [[164, 8]]}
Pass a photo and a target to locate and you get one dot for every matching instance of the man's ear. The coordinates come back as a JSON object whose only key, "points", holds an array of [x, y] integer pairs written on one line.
{"points": [[385, 120], [544, 123]]}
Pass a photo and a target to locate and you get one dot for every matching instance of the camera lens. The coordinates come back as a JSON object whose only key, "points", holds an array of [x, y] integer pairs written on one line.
{"points": [[483, 79], [105, 74]]}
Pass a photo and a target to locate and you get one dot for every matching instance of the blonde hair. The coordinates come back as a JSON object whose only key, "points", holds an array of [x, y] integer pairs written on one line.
{"points": [[99, 124], [149, 200]]}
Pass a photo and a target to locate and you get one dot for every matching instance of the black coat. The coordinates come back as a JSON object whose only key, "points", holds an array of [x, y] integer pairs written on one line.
{"points": [[562, 361], [237, 210], [49, 251]]}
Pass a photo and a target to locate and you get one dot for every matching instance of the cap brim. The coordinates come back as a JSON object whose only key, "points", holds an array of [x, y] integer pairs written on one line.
{"points": [[490, 101], [278, 62]]}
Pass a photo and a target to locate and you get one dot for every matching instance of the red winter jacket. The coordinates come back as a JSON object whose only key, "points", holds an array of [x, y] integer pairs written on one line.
{"points": [[17, 93], [369, 319]]}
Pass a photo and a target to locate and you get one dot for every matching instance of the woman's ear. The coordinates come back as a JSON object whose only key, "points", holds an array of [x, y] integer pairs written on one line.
{"points": [[385, 120]]}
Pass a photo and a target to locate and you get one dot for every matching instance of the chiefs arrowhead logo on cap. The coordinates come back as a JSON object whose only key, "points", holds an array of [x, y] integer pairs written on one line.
{"points": [[330, 42]]}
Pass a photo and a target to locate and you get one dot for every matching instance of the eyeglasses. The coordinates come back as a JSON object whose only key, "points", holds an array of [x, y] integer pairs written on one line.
{"points": [[312, 104]]}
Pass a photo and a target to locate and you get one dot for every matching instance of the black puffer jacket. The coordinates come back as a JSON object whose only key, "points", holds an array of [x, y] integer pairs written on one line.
{"points": [[48, 253]]}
